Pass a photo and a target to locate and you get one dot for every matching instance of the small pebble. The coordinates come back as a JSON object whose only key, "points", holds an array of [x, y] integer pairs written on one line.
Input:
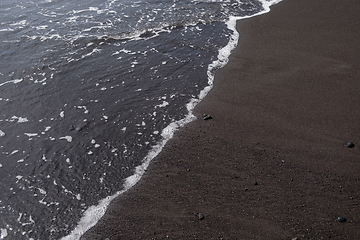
{"points": [[341, 219], [256, 183], [201, 216], [350, 145], [207, 117]]}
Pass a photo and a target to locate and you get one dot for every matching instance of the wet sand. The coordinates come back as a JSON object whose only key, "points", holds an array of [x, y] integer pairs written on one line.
{"points": [[273, 162]]}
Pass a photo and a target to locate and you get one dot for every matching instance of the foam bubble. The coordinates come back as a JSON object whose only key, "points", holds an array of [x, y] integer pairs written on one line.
{"points": [[22, 120], [42, 191], [68, 138], [15, 151], [163, 104], [11, 81], [3, 233], [31, 134]]}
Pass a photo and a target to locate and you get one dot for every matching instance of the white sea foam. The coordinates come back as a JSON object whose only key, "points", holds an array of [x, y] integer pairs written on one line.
{"points": [[15, 81], [31, 134], [94, 213], [42, 191], [19, 119], [3, 233], [68, 138], [13, 152], [22, 120], [163, 104]]}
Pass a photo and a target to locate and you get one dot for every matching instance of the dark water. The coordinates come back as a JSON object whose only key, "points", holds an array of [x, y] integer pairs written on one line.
{"points": [[86, 91]]}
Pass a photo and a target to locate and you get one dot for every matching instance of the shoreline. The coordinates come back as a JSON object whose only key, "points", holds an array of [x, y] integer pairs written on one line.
{"points": [[94, 213], [255, 170]]}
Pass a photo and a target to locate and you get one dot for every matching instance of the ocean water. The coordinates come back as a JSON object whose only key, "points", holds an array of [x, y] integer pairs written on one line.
{"points": [[90, 92]]}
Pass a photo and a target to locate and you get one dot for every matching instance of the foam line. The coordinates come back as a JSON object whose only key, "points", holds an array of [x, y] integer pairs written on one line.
{"points": [[11, 81], [93, 214]]}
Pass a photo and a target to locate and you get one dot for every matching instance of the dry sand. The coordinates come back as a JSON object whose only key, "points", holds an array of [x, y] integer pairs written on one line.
{"points": [[273, 162]]}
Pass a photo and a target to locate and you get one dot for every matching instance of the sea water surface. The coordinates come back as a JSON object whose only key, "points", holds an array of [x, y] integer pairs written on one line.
{"points": [[90, 92]]}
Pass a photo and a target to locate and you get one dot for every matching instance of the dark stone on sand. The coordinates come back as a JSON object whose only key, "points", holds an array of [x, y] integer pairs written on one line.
{"points": [[256, 183], [350, 145], [341, 219], [207, 117], [201, 216]]}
